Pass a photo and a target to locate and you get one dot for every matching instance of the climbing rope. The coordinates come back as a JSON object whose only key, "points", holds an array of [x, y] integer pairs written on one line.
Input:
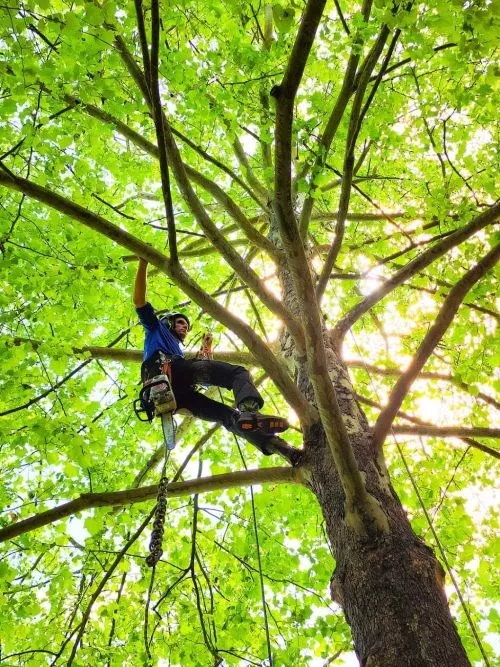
{"points": [[259, 560], [430, 523], [155, 544], [261, 575], [156, 540]]}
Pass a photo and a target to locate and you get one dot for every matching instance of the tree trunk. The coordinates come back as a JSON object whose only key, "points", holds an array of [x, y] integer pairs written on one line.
{"points": [[391, 589]]}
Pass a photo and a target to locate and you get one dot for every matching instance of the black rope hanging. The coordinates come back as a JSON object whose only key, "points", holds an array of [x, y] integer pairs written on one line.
{"points": [[155, 543]]}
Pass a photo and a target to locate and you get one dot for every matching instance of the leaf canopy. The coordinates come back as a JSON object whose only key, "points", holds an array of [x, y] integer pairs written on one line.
{"points": [[426, 164]]}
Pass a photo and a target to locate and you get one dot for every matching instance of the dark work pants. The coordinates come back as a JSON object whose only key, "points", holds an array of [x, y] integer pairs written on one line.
{"points": [[187, 373]]}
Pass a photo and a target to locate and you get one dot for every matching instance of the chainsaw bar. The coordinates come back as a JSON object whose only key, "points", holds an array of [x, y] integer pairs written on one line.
{"points": [[169, 428]]}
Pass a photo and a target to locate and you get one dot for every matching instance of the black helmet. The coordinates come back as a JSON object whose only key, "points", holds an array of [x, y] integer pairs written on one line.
{"points": [[169, 319]]}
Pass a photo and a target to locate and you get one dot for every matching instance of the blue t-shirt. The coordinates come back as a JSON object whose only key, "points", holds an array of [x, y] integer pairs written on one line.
{"points": [[158, 335]]}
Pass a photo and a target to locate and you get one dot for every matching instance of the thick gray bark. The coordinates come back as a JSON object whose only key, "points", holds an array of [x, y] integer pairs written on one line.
{"points": [[391, 587]]}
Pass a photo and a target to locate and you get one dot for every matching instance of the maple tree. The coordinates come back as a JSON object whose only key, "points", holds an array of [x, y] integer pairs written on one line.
{"points": [[315, 183]]}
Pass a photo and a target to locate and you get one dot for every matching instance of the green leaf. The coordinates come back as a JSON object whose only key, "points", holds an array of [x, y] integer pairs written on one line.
{"points": [[74, 120]]}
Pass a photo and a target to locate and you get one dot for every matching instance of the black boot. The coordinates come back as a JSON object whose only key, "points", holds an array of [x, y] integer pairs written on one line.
{"points": [[266, 424]]}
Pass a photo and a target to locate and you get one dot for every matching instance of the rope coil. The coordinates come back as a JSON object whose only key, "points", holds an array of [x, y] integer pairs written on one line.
{"points": [[155, 544], [155, 551]]}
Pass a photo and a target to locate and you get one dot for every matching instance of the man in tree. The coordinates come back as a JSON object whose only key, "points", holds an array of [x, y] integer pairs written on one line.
{"points": [[163, 339]]}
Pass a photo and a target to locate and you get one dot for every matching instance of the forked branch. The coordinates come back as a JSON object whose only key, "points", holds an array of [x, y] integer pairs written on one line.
{"points": [[362, 511], [285, 95], [355, 120], [418, 264], [324, 143], [276, 370], [225, 248], [443, 320], [197, 177]]}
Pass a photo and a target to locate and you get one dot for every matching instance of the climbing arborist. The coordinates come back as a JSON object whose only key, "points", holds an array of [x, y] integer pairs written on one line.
{"points": [[164, 336]]}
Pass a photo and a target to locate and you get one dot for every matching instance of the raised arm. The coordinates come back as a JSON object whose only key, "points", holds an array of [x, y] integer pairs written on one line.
{"points": [[140, 284]]}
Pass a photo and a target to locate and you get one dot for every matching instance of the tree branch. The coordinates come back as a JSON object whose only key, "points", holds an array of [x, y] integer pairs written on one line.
{"points": [[395, 372], [444, 283], [422, 261], [332, 215], [355, 120], [409, 248], [276, 369], [136, 356], [237, 214], [382, 71], [247, 359], [220, 165], [63, 380], [243, 160], [143, 39], [46, 393], [210, 186], [150, 148], [285, 96], [447, 431], [236, 357], [445, 316], [334, 120], [113, 208], [225, 248], [103, 582], [341, 17], [362, 511], [38, 32], [405, 61], [130, 496], [159, 120]]}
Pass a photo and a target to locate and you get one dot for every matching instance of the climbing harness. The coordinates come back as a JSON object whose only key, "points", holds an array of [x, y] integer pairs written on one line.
{"points": [[156, 398]]}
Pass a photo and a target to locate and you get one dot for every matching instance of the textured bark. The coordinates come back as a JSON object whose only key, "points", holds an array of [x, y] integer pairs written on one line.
{"points": [[391, 587]]}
